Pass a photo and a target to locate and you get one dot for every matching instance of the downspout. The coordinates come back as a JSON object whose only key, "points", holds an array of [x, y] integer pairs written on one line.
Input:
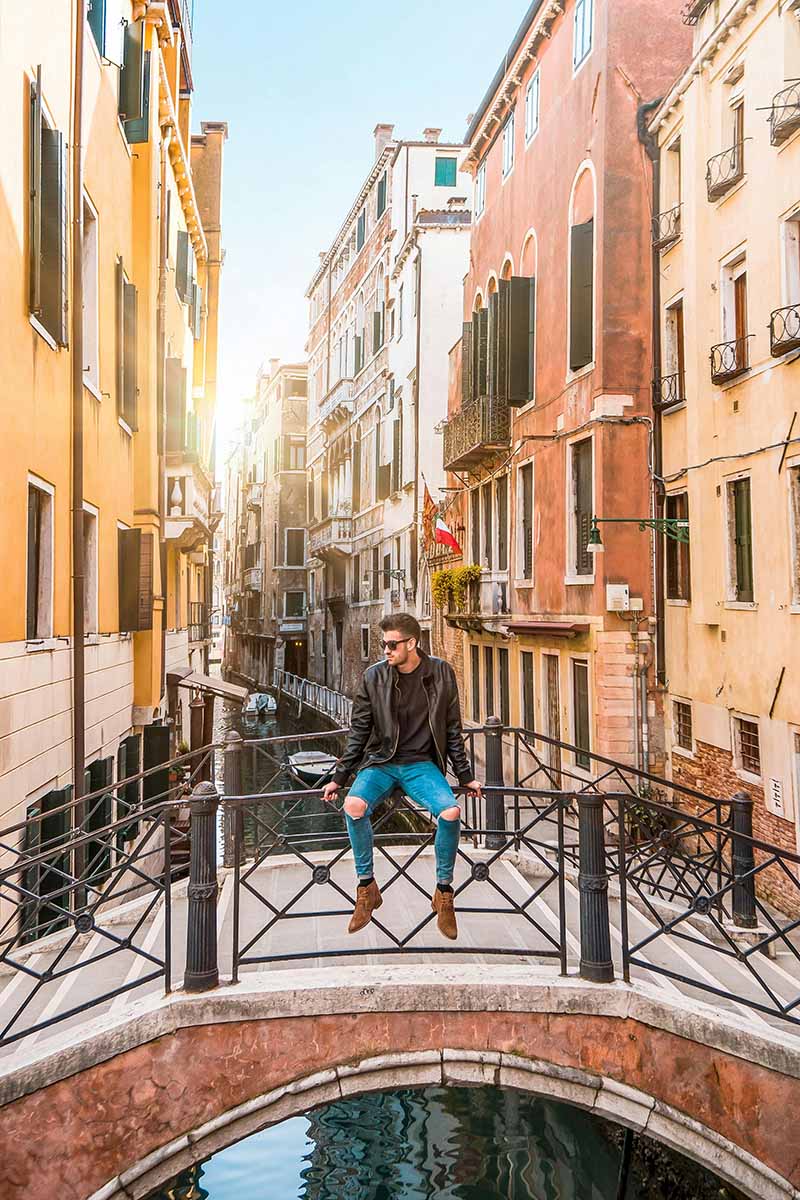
{"points": [[161, 359], [651, 147], [327, 490], [415, 540], [78, 599]]}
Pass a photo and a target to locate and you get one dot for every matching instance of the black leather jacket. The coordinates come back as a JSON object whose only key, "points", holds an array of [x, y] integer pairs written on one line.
{"points": [[374, 727]]}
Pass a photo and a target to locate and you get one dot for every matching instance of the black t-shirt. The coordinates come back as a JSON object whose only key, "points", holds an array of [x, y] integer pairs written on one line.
{"points": [[415, 741]]}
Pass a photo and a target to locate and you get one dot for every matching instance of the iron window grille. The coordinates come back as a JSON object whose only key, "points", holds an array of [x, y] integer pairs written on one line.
{"points": [[682, 724], [669, 390], [748, 746], [667, 228], [784, 117], [784, 330], [724, 171]]}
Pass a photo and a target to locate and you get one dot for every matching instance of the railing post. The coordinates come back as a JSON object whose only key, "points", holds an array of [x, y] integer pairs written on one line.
{"points": [[743, 862], [231, 786], [202, 971], [495, 800], [596, 962]]}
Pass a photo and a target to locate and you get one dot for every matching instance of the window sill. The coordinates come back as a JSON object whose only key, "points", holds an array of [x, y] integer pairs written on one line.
{"points": [[673, 408], [741, 605], [794, 608], [665, 250], [91, 639], [580, 373], [43, 333], [507, 175], [93, 390], [673, 602], [578, 580], [749, 777], [578, 67], [531, 137], [524, 584], [39, 645], [683, 753]]}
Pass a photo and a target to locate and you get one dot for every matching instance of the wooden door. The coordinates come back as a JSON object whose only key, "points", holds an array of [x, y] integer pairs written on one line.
{"points": [[552, 716]]}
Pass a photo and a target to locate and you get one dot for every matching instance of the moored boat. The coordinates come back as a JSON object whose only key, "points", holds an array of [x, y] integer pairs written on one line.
{"points": [[312, 768]]}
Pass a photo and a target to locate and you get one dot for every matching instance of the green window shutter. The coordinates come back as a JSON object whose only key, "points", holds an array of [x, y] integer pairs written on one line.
{"points": [[356, 475], [197, 312], [505, 710], [519, 332], [54, 831], [130, 390], [480, 346], [131, 78], [34, 551], [475, 523], [182, 263], [486, 503], [498, 341], [582, 474], [445, 174], [119, 292], [155, 787], [96, 16], [358, 353], [377, 338], [488, 681], [475, 673], [53, 313], [382, 195], [190, 273], [467, 390], [580, 716], [581, 322], [176, 405], [137, 129], [361, 229], [397, 447], [527, 522], [98, 816], [502, 522], [35, 189], [744, 541], [527, 691]]}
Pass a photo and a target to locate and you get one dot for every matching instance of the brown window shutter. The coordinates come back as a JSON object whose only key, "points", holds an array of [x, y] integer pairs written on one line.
{"points": [[498, 341], [384, 480], [131, 78], [582, 468], [53, 313], [527, 521], [130, 389], [480, 346], [520, 357], [128, 553], [145, 589], [176, 405], [467, 391], [35, 187], [581, 322]]}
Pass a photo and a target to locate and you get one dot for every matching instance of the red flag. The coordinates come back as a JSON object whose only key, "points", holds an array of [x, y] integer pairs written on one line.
{"points": [[444, 537], [428, 518]]}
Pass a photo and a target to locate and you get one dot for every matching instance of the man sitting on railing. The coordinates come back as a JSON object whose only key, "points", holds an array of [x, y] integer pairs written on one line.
{"points": [[406, 723]]}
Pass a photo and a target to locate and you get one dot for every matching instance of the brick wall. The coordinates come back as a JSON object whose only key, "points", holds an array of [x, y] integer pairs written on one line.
{"points": [[711, 770]]}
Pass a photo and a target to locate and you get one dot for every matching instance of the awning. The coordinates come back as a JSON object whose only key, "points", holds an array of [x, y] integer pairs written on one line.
{"points": [[563, 629], [186, 677]]}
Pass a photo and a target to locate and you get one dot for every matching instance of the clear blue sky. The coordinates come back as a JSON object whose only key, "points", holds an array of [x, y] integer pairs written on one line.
{"points": [[302, 86]]}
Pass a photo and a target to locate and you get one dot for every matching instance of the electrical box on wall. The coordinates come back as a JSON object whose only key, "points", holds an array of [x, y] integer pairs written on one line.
{"points": [[618, 596]]}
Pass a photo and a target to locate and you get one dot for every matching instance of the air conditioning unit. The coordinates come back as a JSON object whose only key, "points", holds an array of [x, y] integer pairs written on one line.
{"points": [[618, 597]]}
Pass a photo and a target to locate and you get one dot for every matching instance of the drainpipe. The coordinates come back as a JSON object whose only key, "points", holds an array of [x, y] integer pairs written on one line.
{"points": [[415, 540], [161, 359], [651, 147], [78, 600]]}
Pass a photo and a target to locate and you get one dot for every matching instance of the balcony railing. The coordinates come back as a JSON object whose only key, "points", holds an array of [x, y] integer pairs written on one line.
{"points": [[199, 625], [338, 404], [667, 228], [480, 429], [784, 330], [784, 118], [724, 171], [331, 536], [252, 579], [730, 359], [669, 390]]}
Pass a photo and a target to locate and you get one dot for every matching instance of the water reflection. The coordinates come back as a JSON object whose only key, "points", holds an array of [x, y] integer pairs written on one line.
{"points": [[448, 1143]]}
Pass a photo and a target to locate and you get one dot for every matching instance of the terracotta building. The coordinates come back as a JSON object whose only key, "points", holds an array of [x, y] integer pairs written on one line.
{"points": [[728, 239], [550, 413]]}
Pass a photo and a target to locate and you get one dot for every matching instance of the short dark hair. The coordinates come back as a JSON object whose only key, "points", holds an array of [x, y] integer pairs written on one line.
{"points": [[404, 623]]}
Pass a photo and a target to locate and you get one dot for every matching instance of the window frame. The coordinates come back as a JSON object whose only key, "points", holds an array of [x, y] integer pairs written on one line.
{"points": [[793, 491], [733, 600], [680, 552], [488, 680], [572, 577], [365, 656], [581, 7], [91, 612], [450, 160], [46, 585], [580, 752], [534, 88], [741, 770], [475, 681], [520, 578], [480, 191], [527, 656], [91, 291], [287, 616], [509, 144], [294, 529], [677, 746]]}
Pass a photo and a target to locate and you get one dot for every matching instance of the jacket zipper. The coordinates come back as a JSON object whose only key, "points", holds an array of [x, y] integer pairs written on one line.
{"points": [[397, 738], [442, 761]]}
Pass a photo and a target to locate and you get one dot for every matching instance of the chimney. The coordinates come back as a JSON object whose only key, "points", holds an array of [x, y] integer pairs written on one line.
{"points": [[457, 203], [432, 135], [383, 135]]}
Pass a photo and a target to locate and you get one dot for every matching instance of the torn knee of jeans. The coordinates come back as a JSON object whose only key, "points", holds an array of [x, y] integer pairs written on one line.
{"points": [[355, 808], [451, 814]]}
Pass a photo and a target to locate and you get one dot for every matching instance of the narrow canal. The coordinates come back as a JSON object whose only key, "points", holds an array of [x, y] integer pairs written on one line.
{"points": [[449, 1144]]}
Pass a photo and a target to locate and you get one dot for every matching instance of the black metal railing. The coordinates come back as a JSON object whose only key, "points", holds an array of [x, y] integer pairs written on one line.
{"points": [[669, 390], [784, 330], [565, 847], [731, 359], [724, 171], [667, 227], [480, 428], [784, 117], [199, 623]]}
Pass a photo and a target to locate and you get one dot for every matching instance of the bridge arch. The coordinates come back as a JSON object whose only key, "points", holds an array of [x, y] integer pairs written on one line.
{"points": [[122, 1109]]}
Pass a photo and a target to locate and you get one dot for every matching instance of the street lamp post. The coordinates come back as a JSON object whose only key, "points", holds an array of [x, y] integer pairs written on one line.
{"points": [[676, 528]]}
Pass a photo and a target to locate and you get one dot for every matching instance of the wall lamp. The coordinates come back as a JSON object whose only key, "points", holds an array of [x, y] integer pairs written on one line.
{"points": [[397, 573], [676, 528]]}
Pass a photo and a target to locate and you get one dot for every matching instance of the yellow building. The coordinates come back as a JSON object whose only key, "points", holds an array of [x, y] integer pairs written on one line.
{"points": [[147, 242], [728, 238]]}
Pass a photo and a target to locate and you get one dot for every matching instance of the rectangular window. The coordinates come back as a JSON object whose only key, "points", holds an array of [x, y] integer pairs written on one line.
{"points": [[740, 541], [90, 571], [475, 523], [580, 713], [127, 367], [508, 145], [505, 708], [39, 608], [475, 680], [488, 681], [501, 498], [376, 572], [488, 549], [361, 229], [381, 208], [365, 642], [294, 604], [91, 324], [355, 588], [582, 469], [295, 547], [47, 222], [525, 511], [794, 529], [677, 553], [528, 716], [583, 31], [294, 454], [682, 724], [747, 748], [135, 561], [532, 107], [581, 296], [445, 175], [674, 356], [323, 637], [400, 312], [480, 189]]}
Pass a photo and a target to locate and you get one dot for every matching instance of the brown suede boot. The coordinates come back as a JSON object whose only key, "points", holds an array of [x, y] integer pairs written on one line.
{"points": [[367, 900], [442, 905]]}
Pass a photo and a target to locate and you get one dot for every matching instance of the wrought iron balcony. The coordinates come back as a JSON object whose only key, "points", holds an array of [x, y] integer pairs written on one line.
{"points": [[199, 623], [784, 118], [669, 390], [730, 359], [478, 431], [667, 228], [693, 11], [331, 537], [252, 579], [784, 330], [724, 171], [337, 405]]}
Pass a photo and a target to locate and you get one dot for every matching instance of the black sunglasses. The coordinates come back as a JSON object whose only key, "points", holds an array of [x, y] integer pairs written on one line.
{"points": [[392, 645]]}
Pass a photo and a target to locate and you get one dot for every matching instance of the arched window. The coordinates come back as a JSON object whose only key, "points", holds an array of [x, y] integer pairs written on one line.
{"points": [[508, 269], [581, 270]]}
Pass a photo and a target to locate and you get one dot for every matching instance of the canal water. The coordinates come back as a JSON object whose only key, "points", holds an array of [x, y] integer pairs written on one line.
{"points": [[445, 1144]]}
